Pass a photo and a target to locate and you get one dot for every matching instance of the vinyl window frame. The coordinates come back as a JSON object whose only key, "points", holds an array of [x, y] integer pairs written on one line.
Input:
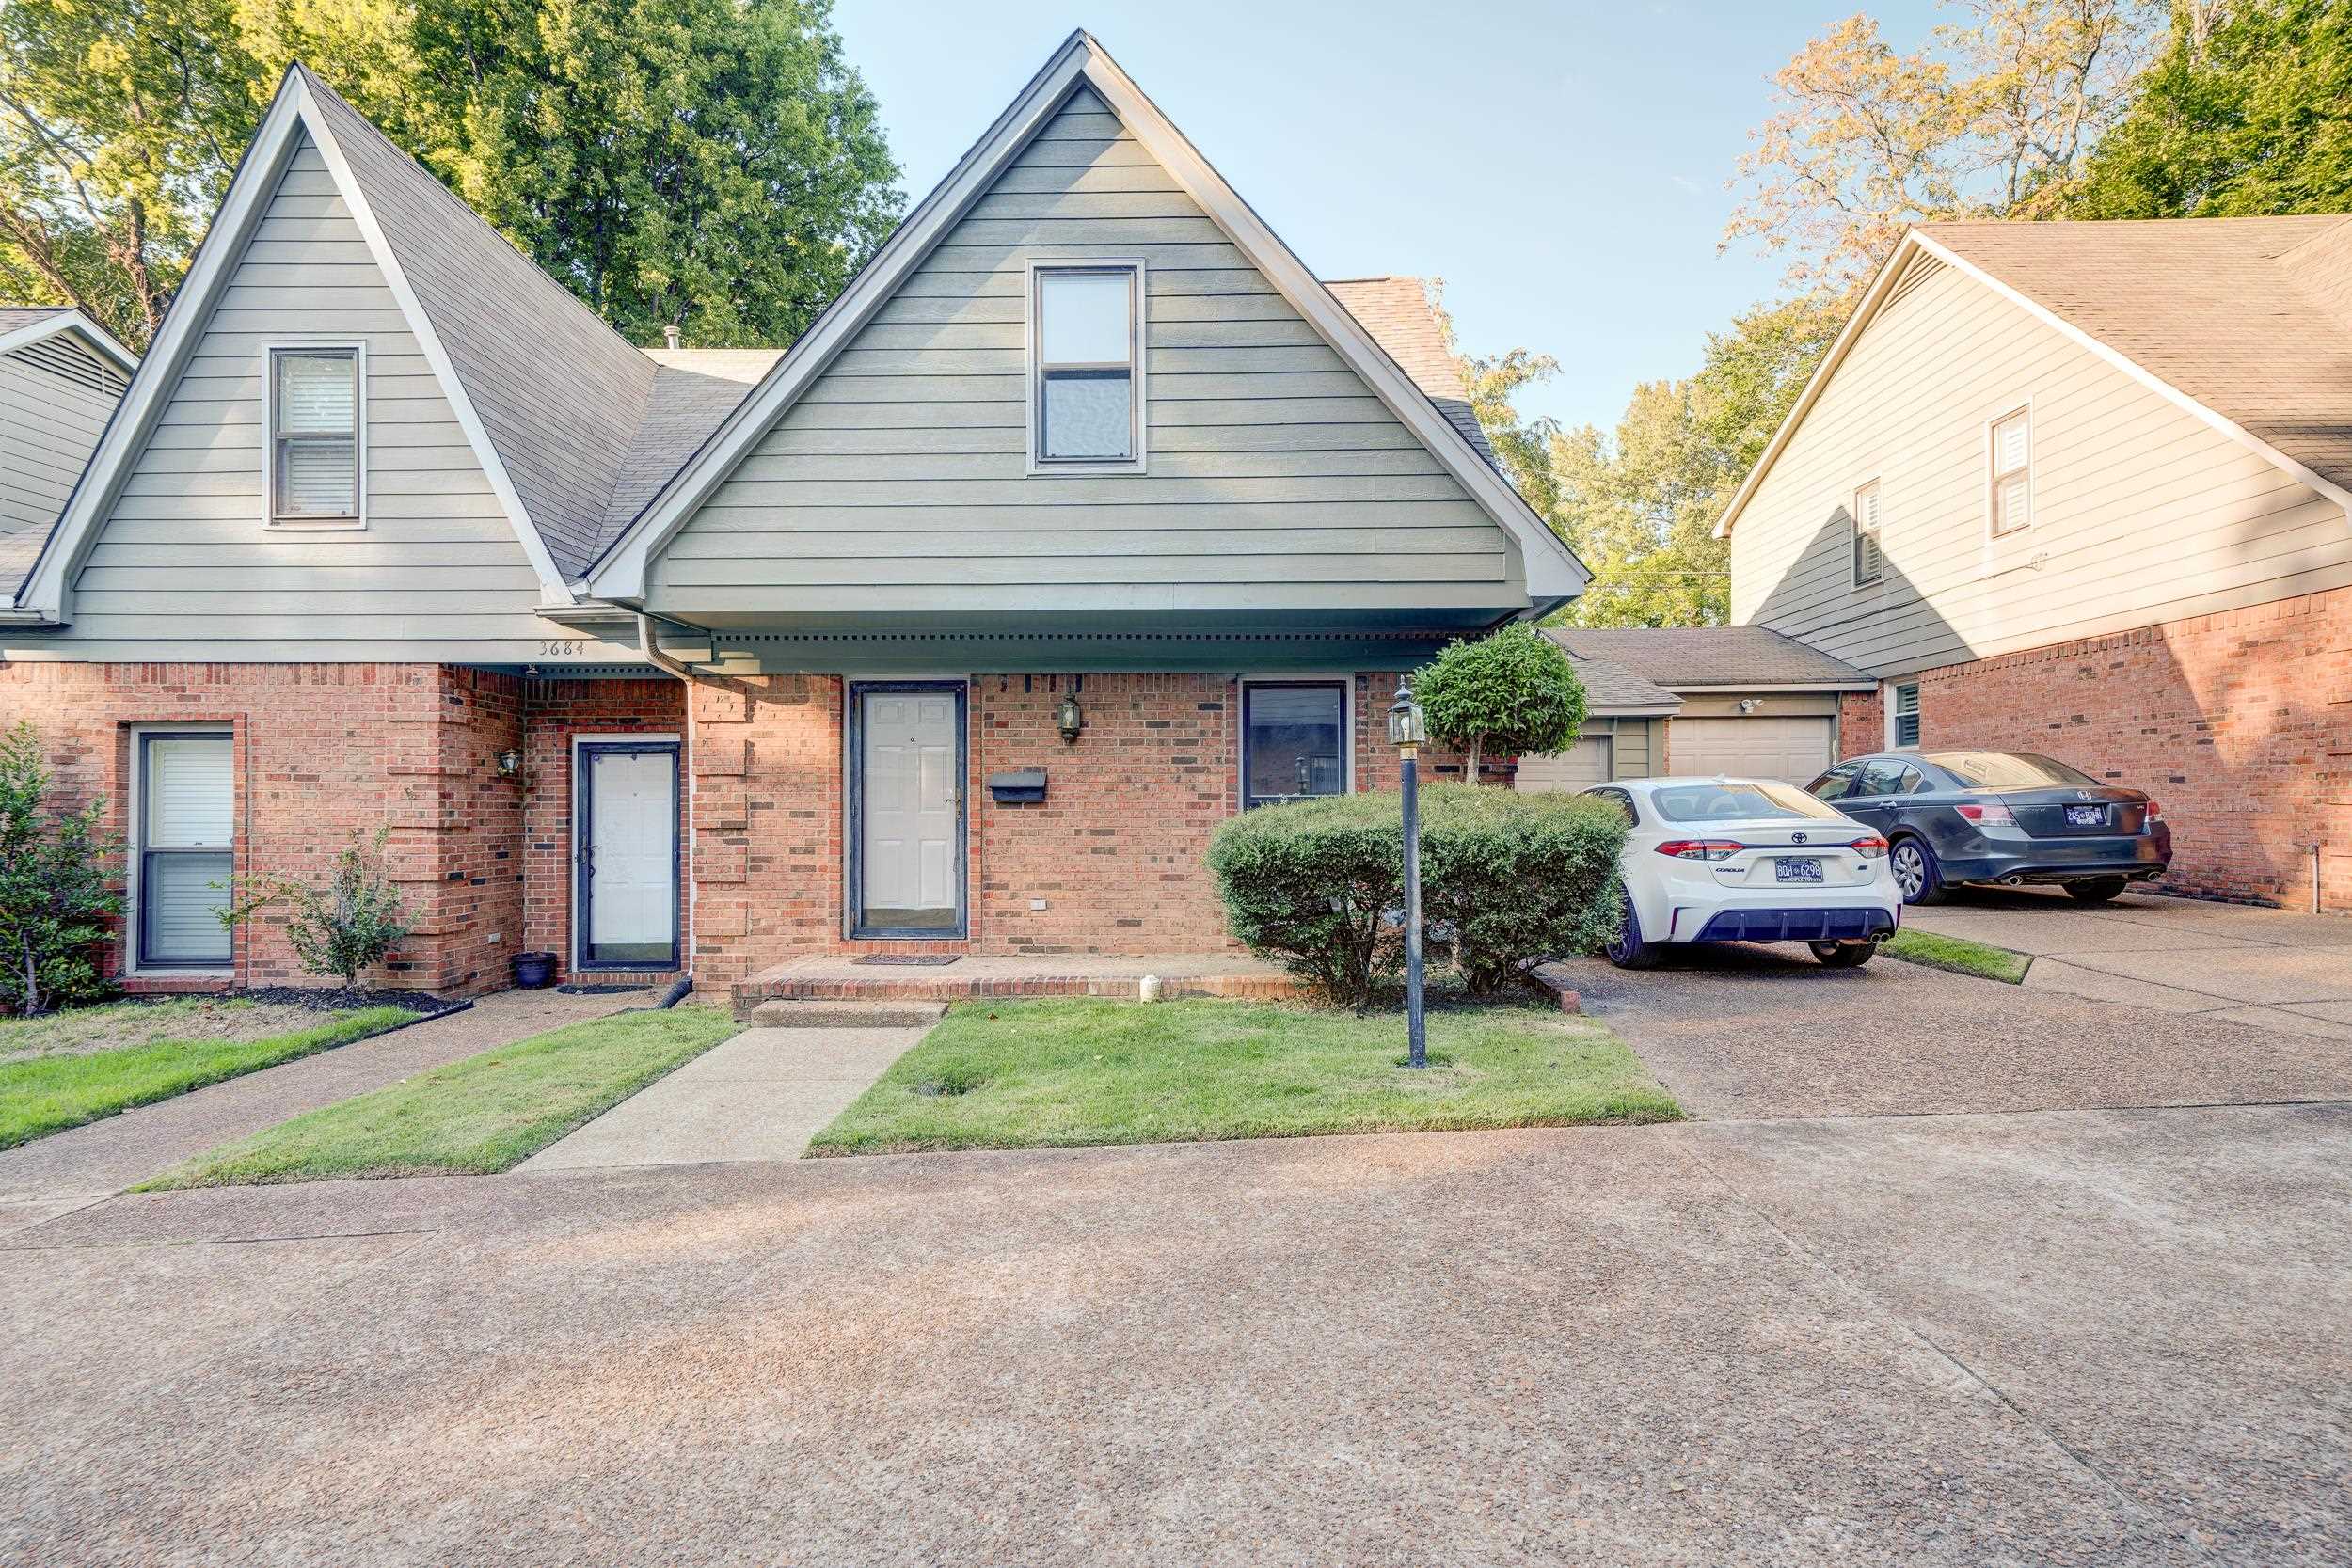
{"points": [[1896, 715], [135, 964], [1346, 683], [1993, 526], [1034, 368], [1875, 532], [298, 523]]}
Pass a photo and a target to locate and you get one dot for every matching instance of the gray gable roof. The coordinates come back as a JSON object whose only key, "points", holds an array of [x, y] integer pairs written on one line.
{"points": [[1683, 658], [14, 316], [565, 401], [686, 406], [1610, 686]]}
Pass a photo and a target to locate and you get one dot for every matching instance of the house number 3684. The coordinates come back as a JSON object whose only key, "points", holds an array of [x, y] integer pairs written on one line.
{"points": [[554, 650]]}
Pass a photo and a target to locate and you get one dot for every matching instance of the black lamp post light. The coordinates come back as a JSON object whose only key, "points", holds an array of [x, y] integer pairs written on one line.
{"points": [[1407, 732]]}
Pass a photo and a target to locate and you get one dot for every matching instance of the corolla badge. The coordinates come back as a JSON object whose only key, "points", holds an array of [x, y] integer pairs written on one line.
{"points": [[1800, 838], [2083, 795]]}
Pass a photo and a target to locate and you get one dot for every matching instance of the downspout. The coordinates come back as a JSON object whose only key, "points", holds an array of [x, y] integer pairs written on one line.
{"points": [[659, 660]]}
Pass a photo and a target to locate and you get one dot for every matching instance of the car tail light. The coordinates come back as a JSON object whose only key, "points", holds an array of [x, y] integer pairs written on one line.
{"points": [[1996, 813], [1700, 848], [2152, 812], [1868, 848]]}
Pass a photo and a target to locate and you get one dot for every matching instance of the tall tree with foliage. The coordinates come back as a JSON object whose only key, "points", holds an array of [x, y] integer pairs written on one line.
{"points": [[711, 164], [1991, 118], [2249, 112]]}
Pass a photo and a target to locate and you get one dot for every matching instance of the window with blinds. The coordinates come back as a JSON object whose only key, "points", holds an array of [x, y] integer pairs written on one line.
{"points": [[1084, 347], [1903, 715], [2013, 464], [1869, 562], [186, 823], [314, 435]]}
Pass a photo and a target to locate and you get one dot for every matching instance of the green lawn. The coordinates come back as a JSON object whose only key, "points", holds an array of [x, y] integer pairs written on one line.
{"points": [[1957, 955], [1057, 1073], [488, 1112], [50, 1085]]}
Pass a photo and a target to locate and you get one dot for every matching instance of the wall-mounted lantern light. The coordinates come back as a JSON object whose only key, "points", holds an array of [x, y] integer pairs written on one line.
{"points": [[510, 763], [1069, 719]]}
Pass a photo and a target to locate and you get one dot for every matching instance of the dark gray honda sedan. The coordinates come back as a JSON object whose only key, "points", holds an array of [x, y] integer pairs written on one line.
{"points": [[2000, 817]]}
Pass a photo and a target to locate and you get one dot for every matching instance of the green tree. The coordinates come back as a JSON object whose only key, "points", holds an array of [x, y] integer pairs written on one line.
{"points": [[711, 164], [1510, 693], [2249, 112], [54, 900]]}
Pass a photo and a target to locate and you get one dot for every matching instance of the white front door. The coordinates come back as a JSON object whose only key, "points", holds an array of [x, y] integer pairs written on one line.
{"points": [[628, 860], [910, 807]]}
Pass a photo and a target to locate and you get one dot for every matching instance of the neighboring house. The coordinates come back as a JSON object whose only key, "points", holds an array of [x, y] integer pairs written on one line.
{"points": [[1085, 517], [2081, 488], [1626, 719], [61, 378], [1748, 701]]}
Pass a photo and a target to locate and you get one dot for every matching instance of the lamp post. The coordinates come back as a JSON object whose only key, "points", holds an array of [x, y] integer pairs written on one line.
{"points": [[1406, 733]]}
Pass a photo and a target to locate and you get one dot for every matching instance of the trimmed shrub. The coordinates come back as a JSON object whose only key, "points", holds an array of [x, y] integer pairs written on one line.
{"points": [[1318, 885], [1510, 693], [1310, 885], [1518, 877]]}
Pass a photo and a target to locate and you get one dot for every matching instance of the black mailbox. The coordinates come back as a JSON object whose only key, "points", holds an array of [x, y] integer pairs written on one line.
{"points": [[1021, 786]]}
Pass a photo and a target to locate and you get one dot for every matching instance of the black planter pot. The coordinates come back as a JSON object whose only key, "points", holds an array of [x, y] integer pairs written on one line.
{"points": [[534, 971]]}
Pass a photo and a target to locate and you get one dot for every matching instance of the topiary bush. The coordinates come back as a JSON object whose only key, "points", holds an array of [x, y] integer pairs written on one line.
{"points": [[1518, 877], [1310, 885], [1318, 886], [1510, 693]]}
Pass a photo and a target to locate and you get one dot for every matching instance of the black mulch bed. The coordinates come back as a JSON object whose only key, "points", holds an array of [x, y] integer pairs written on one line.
{"points": [[338, 1000]]}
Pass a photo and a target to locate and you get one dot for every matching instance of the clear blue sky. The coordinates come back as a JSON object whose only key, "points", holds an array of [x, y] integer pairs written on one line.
{"points": [[1561, 166]]}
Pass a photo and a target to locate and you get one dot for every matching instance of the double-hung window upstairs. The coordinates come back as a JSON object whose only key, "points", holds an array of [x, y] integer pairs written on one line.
{"points": [[2013, 478], [1085, 354], [314, 438]]}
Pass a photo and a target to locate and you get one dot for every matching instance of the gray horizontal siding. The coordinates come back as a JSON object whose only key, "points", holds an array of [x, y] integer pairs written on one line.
{"points": [[48, 426], [899, 477], [186, 559]]}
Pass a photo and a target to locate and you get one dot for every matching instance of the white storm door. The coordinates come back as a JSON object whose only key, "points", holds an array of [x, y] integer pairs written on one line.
{"points": [[911, 810], [629, 854]]}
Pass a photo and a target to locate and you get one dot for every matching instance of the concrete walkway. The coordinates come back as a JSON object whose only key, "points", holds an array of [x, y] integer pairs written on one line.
{"points": [[760, 1096], [2269, 968], [54, 1175]]}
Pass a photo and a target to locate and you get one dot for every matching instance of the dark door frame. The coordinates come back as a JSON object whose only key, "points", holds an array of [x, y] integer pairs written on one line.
{"points": [[854, 837], [585, 753]]}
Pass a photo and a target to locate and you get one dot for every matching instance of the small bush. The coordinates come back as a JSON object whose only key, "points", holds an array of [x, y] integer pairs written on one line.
{"points": [[1319, 885], [1510, 693], [351, 923], [55, 901], [1518, 877]]}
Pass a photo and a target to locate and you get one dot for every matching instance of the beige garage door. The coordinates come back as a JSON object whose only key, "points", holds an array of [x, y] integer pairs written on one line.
{"points": [[1761, 748], [1582, 764]]}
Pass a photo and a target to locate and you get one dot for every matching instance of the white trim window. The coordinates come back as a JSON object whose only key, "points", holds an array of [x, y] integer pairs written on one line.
{"points": [[1085, 364], [315, 435], [2010, 460], [1902, 715], [1297, 739], [1869, 560]]}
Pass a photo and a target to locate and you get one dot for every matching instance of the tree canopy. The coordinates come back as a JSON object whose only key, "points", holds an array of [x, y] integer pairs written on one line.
{"points": [[711, 164], [1511, 692]]}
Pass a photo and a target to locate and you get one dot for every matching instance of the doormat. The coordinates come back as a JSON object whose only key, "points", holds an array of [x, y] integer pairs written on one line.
{"points": [[914, 961]]}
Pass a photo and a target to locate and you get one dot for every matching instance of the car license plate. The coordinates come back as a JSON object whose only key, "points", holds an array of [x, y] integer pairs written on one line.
{"points": [[2086, 816], [1797, 868]]}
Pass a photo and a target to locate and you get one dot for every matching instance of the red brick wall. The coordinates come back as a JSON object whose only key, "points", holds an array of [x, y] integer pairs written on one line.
{"points": [[2240, 725], [322, 752], [1861, 724]]}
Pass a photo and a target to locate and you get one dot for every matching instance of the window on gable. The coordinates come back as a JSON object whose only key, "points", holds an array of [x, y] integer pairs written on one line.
{"points": [[2013, 459], [1085, 324], [1869, 562], [314, 435]]}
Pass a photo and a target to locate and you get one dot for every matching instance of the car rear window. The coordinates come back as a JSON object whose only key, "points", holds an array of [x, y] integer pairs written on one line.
{"points": [[1701, 802], [2008, 769]]}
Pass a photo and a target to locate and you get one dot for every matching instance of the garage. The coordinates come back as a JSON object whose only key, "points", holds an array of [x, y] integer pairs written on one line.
{"points": [[1589, 762], [1765, 746]]}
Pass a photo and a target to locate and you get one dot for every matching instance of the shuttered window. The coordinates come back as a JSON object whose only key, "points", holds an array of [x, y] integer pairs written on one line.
{"points": [[1905, 714], [314, 447], [1870, 563], [2013, 464], [187, 818], [1084, 346]]}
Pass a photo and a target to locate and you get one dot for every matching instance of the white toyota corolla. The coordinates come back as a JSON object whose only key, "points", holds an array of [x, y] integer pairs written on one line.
{"points": [[1747, 860]]}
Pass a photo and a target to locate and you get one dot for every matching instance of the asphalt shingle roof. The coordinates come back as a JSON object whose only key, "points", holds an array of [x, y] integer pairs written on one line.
{"points": [[1683, 657], [1611, 685], [2252, 317], [14, 316], [1398, 313]]}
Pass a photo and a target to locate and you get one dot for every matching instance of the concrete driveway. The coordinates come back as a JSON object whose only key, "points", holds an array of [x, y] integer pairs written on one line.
{"points": [[2264, 967]]}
